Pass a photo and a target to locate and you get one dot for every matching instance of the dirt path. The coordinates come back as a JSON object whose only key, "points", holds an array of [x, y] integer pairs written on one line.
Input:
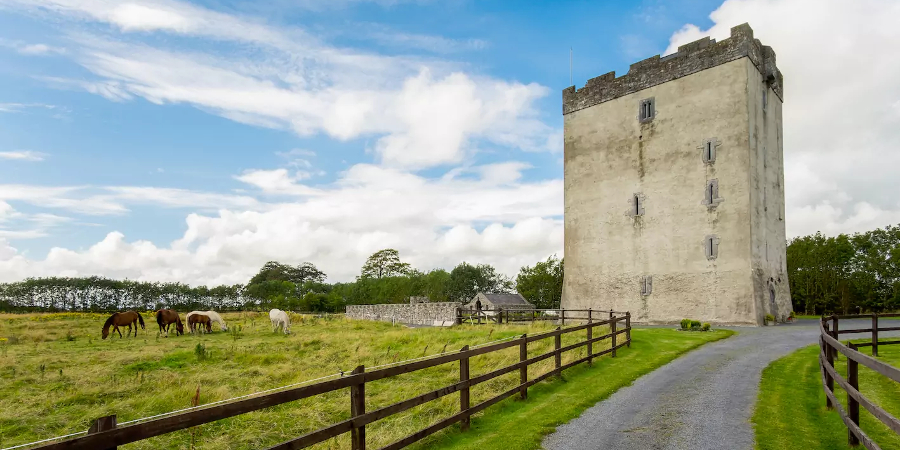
{"points": [[703, 400]]}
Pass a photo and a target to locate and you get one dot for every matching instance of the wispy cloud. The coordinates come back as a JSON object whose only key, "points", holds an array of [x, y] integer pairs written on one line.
{"points": [[23, 155], [388, 37], [21, 107], [30, 49]]}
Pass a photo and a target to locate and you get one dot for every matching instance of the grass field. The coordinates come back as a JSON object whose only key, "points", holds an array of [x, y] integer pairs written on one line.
{"points": [[791, 414], [56, 375]]}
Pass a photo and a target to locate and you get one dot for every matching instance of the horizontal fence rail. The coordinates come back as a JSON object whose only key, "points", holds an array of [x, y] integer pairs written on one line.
{"points": [[104, 434], [512, 314], [830, 346]]}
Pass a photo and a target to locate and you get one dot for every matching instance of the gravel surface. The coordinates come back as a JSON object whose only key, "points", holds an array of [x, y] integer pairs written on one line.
{"points": [[702, 400]]}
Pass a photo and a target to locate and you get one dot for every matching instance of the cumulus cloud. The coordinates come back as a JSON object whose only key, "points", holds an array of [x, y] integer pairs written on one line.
{"points": [[841, 115], [492, 218], [422, 112]]}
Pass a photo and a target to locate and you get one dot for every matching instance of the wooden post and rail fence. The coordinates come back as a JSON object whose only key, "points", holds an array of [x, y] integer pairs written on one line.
{"points": [[830, 346], [104, 434]]}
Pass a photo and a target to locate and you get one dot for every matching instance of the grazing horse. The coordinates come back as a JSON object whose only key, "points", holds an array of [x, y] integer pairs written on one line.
{"points": [[213, 317], [165, 318], [199, 319], [120, 319], [280, 319]]}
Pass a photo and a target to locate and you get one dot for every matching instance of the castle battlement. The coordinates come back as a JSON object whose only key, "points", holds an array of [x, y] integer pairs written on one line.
{"points": [[690, 58]]}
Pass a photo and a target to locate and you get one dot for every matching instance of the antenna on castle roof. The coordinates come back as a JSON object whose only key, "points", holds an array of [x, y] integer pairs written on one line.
{"points": [[570, 67]]}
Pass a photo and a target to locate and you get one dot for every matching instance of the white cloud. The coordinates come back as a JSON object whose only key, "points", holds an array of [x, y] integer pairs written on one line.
{"points": [[423, 112], [23, 155], [494, 218], [39, 49], [841, 121], [7, 252], [21, 107]]}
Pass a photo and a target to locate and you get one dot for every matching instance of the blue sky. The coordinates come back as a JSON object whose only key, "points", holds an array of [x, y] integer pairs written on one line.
{"points": [[172, 140]]}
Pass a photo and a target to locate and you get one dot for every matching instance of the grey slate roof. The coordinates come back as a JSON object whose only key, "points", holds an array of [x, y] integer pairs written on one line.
{"points": [[507, 299]]}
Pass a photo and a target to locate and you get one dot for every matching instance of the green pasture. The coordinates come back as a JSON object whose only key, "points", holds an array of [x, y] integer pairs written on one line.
{"points": [[56, 375]]}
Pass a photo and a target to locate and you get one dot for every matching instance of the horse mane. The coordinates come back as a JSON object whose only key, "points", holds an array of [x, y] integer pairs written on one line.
{"points": [[109, 321]]}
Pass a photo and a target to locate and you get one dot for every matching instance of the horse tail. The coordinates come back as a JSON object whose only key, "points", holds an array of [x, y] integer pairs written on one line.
{"points": [[159, 317], [141, 320]]}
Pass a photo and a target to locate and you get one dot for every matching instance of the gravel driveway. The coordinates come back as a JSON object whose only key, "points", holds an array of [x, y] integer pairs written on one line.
{"points": [[702, 400]]}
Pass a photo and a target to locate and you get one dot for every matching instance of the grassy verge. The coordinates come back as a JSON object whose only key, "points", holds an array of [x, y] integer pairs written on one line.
{"points": [[791, 414], [516, 424]]}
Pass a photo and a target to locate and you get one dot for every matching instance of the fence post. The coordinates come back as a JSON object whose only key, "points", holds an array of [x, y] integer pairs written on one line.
{"points": [[829, 359], [834, 333], [852, 404], [103, 424], [628, 329], [464, 391], [358, 408], [874, 334], [612, 329], [523, 371], [507, 316], [562, 317], [558, 356], [590, 335], [499, 316]]}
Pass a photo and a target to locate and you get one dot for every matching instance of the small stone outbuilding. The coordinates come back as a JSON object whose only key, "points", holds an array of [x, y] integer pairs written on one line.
{"points": [[493, 302]]}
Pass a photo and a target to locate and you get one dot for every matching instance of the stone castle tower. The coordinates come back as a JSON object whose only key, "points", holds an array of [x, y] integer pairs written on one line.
{"points": [[674, 187]]}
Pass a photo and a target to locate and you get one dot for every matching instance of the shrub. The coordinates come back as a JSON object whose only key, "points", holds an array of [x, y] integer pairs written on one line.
{"points": [[201, 352], [695, 324], [792, 315], [770, 318], [706, 326], [685, 324]]}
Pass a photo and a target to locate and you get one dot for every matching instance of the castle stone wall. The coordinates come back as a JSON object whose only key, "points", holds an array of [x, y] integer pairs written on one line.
{"points": [[690, 58], [615, 248], [432, 314]]}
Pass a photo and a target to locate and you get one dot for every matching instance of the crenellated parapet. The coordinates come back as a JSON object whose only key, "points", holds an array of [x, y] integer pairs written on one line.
{"points": [[690, 58]]}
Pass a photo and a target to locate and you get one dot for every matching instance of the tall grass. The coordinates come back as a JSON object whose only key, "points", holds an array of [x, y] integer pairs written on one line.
{"points": [[144, 376]]}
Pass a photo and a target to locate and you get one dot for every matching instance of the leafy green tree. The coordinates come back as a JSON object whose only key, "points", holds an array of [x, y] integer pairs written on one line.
{"points": [[384, 263], [467, 280], [542, 284]]}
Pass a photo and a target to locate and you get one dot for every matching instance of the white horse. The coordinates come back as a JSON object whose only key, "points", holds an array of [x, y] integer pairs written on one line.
{"points": [[280, 319], [213, 316]]}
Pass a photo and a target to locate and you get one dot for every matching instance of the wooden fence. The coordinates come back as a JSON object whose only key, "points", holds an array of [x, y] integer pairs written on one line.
{"points": [[104, 434], [510, 315], [830, 345]]}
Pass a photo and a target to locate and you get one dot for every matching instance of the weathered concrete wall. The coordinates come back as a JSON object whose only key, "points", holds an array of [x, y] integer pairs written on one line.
{"points": [[610, 156], [434, 314], [771, 290]]}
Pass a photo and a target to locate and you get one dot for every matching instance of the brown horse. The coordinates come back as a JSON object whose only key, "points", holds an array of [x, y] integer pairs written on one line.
{"points": [[199, 319], [120, 319], [165, 318]]}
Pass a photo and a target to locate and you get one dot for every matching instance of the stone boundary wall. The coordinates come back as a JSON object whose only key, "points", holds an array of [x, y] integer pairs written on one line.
{"points": [[690, 58], [431, 314]]}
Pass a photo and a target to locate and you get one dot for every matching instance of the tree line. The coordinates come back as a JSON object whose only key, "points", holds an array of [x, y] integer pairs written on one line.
{"points": [[384, 278], [845, 274]]}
